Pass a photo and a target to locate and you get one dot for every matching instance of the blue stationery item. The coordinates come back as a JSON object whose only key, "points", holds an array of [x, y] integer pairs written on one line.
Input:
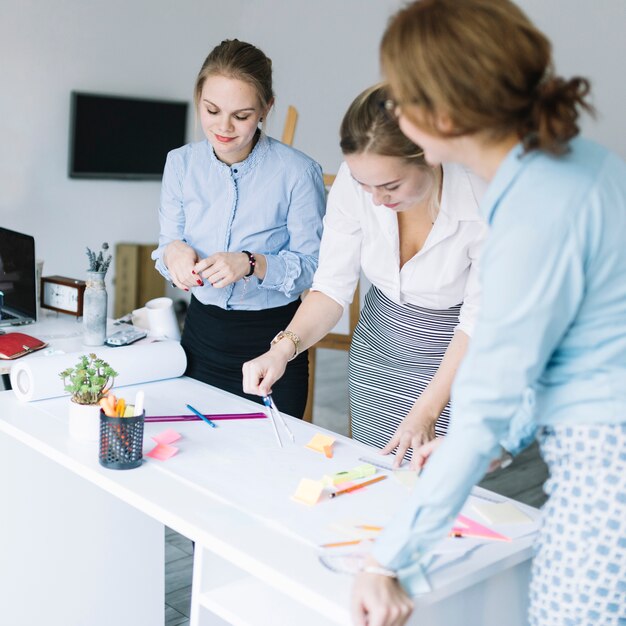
{"points": [[205, 419]]}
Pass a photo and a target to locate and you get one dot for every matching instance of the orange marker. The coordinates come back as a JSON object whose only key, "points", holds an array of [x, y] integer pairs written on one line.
{"points": [[340, 544], [355, 487]]}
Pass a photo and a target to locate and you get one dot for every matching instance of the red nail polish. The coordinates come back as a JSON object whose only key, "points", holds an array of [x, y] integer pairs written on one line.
{"points": [[186, 289], [199, 282], [193, 271]]}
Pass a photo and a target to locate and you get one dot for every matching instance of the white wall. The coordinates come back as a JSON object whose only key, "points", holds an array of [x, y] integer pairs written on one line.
{"points": [[324, 53]]}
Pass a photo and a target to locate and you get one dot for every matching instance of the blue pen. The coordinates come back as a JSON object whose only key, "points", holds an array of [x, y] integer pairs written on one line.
{"points": [[202, 417]]}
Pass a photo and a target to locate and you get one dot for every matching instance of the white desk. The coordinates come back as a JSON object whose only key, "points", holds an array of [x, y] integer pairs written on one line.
{"points": [[83, 546], [61, 332]]}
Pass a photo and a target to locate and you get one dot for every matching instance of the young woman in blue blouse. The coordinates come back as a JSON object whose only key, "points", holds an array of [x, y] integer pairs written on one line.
{"points": [[241, 221], [473, 82]]}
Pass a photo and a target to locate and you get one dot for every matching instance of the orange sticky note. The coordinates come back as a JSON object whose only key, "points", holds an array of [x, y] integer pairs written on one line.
{"points": [[322, 443], [308, 491], [162, 452], [167, 436]]}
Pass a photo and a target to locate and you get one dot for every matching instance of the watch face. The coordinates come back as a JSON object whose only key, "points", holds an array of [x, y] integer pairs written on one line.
{"points": [[61, 297]]}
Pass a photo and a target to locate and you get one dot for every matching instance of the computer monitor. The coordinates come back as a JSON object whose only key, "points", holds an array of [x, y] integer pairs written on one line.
{"points": [[18, 292]]}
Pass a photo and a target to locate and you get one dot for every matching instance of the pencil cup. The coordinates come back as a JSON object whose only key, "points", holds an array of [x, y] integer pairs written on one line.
{"points": [[121, 441]]}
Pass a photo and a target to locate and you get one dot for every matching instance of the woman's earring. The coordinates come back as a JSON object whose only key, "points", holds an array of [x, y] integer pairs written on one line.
{"points": [[261, 120]]}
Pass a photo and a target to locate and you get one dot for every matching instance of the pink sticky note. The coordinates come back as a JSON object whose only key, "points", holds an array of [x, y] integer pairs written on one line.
{"points": [[162, 452], [467, 527], [167, 436]]}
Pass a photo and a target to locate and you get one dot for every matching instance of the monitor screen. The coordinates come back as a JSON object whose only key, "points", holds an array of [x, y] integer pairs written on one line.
{"points": [[119, 137]]}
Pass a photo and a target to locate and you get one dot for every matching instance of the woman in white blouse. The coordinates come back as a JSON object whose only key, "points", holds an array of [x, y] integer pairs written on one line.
{"points": [[415, 232]]}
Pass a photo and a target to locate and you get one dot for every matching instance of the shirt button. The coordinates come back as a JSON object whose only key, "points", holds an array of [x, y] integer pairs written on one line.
{"points": [[235, 171]]}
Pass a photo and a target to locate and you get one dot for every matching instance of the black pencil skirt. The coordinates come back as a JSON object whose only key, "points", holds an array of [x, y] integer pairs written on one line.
{"points": [[218, 342]]}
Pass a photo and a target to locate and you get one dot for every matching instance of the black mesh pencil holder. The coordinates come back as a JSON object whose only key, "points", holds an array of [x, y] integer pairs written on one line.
{"points": [[121, 441]]}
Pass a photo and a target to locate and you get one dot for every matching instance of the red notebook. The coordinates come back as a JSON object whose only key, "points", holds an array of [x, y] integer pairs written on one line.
{"points": [[14, 345]]}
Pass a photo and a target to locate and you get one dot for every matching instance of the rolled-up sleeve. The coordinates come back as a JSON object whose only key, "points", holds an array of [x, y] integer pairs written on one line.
{"points": [[471, 296], [340, 252], [171, 212], [291, 270]]}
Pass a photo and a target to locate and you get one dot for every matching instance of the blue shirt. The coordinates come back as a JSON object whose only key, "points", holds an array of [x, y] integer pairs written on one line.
{"points": [[271, 203], [552, 322]]}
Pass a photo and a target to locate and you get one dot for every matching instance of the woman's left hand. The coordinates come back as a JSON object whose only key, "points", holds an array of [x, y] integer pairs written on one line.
{"points": [[416, 429], [379, 601], [223, 268]]}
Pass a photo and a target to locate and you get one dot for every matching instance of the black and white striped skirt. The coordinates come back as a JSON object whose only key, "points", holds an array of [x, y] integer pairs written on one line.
{"points": [[396, 350]]}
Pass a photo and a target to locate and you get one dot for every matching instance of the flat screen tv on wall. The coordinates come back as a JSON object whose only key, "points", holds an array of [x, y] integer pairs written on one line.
{"points": [[120, 137]]}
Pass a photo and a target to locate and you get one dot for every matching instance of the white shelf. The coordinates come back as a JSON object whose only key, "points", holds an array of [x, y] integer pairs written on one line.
{"points": [[249, 602]]}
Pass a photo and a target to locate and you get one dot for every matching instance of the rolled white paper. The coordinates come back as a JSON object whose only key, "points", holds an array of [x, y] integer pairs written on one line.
{"points": [[37, 378]]}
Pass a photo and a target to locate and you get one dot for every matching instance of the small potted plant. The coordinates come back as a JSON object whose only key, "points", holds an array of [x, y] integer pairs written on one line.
{"points": [[87, 382]]}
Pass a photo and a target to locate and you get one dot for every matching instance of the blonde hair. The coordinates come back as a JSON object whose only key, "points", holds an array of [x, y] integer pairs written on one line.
{"points": [[485, 65], [368, 127], [242, 61]]}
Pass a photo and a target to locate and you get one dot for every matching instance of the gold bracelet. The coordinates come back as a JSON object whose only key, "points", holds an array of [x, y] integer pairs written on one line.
{"points": [[290, 335]]}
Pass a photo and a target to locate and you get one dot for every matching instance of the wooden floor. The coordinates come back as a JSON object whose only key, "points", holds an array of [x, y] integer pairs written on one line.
{"points": [[522, 481]]}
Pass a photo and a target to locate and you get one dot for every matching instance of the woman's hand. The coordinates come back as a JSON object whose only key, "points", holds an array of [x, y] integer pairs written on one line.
{"points": [[180, 259], [416, 429], [261, 373], [422, 454], [379, 601], [223, 268]]}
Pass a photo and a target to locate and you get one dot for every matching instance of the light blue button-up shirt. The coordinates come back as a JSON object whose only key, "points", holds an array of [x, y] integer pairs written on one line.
{"points": [[271, 203], [553, 320]]}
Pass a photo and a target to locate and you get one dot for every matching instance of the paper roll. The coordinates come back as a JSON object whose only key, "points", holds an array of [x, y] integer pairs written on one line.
{"points": [[37, 378]]}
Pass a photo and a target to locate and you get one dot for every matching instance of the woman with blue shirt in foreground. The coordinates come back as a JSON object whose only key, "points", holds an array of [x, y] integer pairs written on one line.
{"points": [[241, 222], [553, 316]]}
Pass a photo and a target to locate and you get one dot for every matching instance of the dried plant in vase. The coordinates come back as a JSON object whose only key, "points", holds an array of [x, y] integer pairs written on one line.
{"points": [[99, 262]]}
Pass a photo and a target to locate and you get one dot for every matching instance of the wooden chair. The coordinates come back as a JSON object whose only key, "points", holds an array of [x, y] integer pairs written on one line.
{"points": [[332, 341], [289, 130]]}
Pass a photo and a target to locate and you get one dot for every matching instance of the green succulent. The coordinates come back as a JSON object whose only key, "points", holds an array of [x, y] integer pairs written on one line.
{"points": [[89, 380]]}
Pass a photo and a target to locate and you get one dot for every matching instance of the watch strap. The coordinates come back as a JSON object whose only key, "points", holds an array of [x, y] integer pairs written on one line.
{"points": [[290, 335]]}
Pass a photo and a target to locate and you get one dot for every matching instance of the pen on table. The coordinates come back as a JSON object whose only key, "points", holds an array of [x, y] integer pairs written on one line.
{"points": [[267, 402], [355, 487], [205, 419]]}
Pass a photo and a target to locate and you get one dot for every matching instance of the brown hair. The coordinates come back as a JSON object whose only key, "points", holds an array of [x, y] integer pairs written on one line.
{"points": [[368, 127], [242, 61], [485, 65]]}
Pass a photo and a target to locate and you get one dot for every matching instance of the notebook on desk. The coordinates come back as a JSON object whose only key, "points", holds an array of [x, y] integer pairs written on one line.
{"points": [[18, 292]]}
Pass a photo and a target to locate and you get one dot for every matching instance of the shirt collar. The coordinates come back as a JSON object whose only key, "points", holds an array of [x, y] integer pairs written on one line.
{"points": [[252, 160], [456, 186], [514, 162]]}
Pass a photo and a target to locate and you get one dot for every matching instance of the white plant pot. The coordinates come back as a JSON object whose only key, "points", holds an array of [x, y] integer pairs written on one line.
{"points": [[84, 421]]}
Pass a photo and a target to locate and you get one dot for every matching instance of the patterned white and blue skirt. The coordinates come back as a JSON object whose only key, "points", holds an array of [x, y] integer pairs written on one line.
{"points": [[579, 571], [396, 350]]}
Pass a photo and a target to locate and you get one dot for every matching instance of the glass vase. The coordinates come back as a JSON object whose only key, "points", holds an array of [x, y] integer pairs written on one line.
{"points": [[95, 310]]}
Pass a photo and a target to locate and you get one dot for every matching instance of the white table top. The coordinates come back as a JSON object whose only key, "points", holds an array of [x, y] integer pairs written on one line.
{"points": [[229, 489]]}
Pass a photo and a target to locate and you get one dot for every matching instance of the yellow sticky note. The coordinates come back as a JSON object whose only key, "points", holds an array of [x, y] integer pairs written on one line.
{"points": [[308, 491], [408, 478], [322, 443], [500, 513]]}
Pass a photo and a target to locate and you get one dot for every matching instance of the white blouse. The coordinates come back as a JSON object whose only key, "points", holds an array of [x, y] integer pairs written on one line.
{"points": [[359, 235]]}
